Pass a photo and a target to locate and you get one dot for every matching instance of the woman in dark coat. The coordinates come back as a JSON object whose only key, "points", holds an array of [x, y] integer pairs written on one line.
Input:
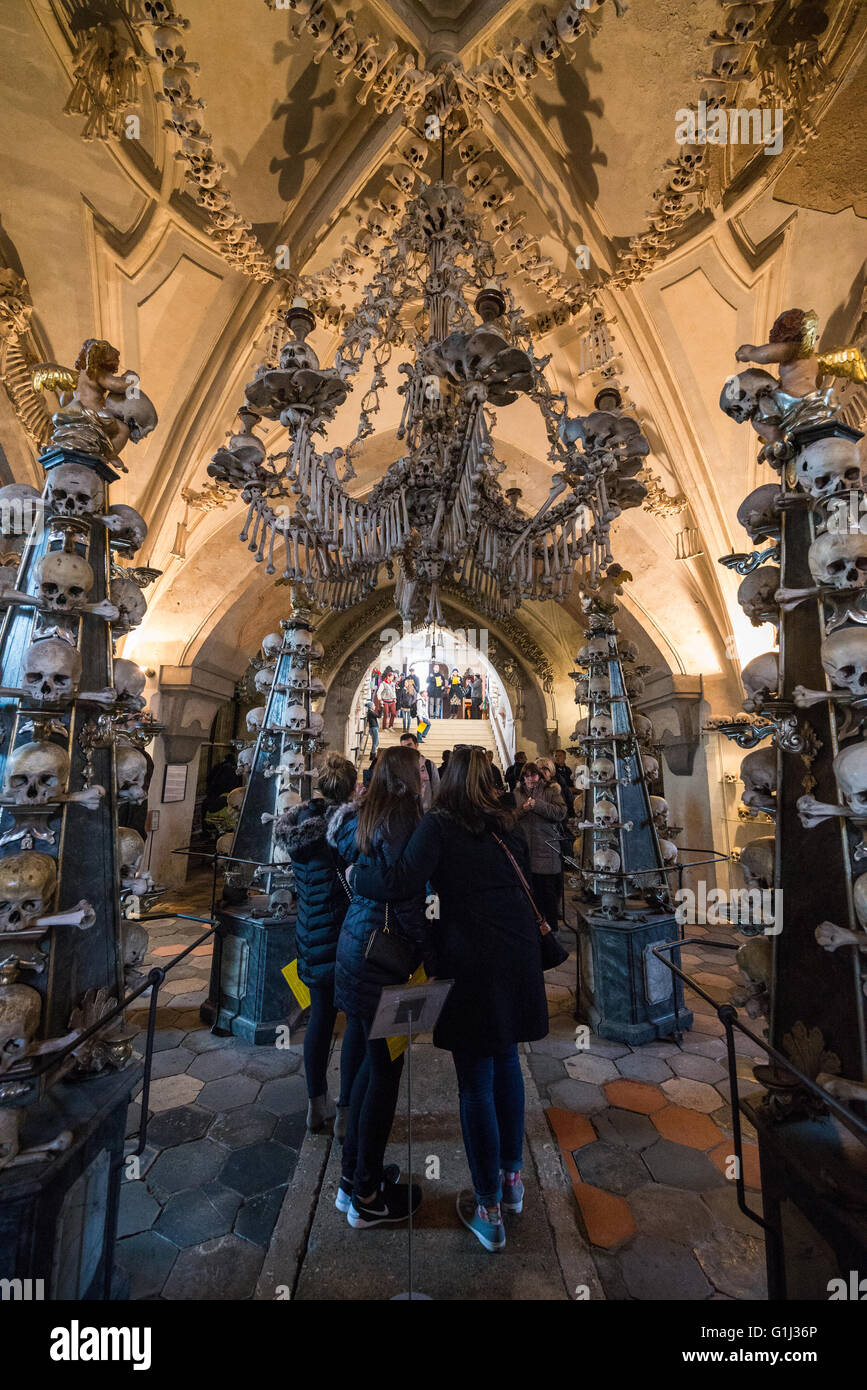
{"points": [[322, 903], [487, 940], [541, 812], [374, 833]]}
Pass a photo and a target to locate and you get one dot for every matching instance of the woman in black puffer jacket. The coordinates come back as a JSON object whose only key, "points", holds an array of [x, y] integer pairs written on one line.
{"points": [[322, 901], [375, 834]]}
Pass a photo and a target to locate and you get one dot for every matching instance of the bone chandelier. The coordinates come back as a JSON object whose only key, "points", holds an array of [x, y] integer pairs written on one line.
{"points": [[438, 514]]}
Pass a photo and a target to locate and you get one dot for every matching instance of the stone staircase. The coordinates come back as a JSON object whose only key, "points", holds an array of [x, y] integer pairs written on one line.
{"points": [[445, 733]]}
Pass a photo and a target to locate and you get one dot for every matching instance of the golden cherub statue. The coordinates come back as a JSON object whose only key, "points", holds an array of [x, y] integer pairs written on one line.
{"points": [[792, 345], [100, 411]]}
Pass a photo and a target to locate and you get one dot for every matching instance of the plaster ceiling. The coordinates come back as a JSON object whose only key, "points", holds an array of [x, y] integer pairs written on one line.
{"points": [[111, 243]]}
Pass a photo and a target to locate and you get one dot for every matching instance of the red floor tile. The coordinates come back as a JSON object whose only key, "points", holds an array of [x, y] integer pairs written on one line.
{"points": [[635, 1095], [606, 1216], [572, 1130], [688, 1127], [168, 950], [752, 1172]]}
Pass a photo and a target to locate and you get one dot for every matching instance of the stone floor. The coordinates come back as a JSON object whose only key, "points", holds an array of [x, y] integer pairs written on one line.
{"points": [[644, 1136]]}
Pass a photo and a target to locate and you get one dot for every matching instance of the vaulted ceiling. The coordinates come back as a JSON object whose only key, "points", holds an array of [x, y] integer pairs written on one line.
{"points": [[111, 238]]}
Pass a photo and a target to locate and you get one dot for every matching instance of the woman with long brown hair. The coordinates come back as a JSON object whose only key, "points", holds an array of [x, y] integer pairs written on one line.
{"points": [[487, 939], [374, 832]]}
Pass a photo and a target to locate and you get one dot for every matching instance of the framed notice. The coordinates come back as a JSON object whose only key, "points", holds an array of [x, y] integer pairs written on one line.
{"points": [[175, 782]]}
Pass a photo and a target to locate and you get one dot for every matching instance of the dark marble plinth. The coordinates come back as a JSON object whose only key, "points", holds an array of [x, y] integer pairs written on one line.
{"points": [[248, 995], [626, 993], [58, 1214]]}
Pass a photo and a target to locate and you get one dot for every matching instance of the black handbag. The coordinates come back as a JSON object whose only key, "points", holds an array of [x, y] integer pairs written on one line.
{"points": [[388, 952], [553, 954], [384, 949]]}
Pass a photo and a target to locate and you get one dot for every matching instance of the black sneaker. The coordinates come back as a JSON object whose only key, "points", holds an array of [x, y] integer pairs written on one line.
{"points": [[393, 1202], [343, 1200]]}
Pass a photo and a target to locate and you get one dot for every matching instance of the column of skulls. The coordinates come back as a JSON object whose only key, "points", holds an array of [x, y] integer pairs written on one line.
{"points": [[70, 719], [627, 840], [808, 696]]}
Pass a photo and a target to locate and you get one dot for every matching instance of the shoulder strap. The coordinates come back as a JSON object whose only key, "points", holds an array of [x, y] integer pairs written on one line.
{"points": [[543, 925]]}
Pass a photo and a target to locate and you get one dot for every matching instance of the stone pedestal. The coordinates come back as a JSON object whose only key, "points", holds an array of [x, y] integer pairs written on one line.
{"points": [[628, 995], [58, 1215], [248, 995]]}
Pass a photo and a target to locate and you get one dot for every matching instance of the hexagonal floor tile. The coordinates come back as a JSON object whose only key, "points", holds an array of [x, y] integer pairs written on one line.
{"points": [[635, 1095], [272, 1062], [171, 1062], [694, 1095], [639, 1067], [284, 1095], [670, 1212], [679, 1166], [178, 1126], [258, 1168], [201, 1039], [613, 1169], [697, 1068], [225, 1268], [173, 1091], [655, 1268], [187, 1165], [583, 1066], [734, 1262], [577, 1095], [625, 1127], [258, 1216], [690, 1127], [146, 1260], [229, 1092], [607, 1218], [240, 1128], [189, 1218], [210, 1066], [184, 986], [138, 1209]]}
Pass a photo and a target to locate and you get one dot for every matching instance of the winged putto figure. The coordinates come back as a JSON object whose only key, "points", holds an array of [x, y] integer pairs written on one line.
{"points": [[100, 411]]}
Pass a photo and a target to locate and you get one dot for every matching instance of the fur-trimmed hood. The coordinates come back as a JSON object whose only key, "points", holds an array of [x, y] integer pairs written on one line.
{"points": [[338, 819], [294, 834]]}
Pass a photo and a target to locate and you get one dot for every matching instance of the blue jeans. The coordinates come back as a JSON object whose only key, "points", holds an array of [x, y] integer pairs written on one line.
{"points": [[406, 719], [492, 1118], [371, 1113], [317, 1045]]}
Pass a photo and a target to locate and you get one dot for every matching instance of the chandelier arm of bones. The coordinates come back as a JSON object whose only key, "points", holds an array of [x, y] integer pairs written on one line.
{"points": [[438, 513]]}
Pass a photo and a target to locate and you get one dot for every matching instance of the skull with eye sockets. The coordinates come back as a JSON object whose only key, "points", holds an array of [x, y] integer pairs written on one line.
{"points": [[52, 671], [27, 883], [36, 773], [63, 581]]}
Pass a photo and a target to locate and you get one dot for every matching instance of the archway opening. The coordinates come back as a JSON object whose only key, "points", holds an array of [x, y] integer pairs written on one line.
{"points": [[443, 650]]}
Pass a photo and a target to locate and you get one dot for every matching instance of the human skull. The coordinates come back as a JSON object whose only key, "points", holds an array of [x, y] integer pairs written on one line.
{"points": [[651, 767], [601, 726], [295, 717], [254, 719], [225, 842], [169, 45], [297, 356], [52, 670], [299, 639], [134, 944], [272, 645], [235, 799], [245, 759], [176, 84], [403, 178], [606, 861], [293, 764], [63, 581], [131, 766], [596, 647], [317, 651], [416, 153], [743, 393], [758, 773], [850, 769], [74, 490], [757, 862], [580, 731], [757, 513], [659, 811], [36, 773], [570, 21], [129, 680], [839, 559], [316, 723], [844, 657], [605, 813], [27, 883], [756, 595], [628, 651], [264, 679], [20, 1012], [602, 770], [130, 852], [643, 727], [634, 684], [668, 850], [125, 524], [598, 688], [286, 799], [761, 676], [828, 465], [128, 598]]}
